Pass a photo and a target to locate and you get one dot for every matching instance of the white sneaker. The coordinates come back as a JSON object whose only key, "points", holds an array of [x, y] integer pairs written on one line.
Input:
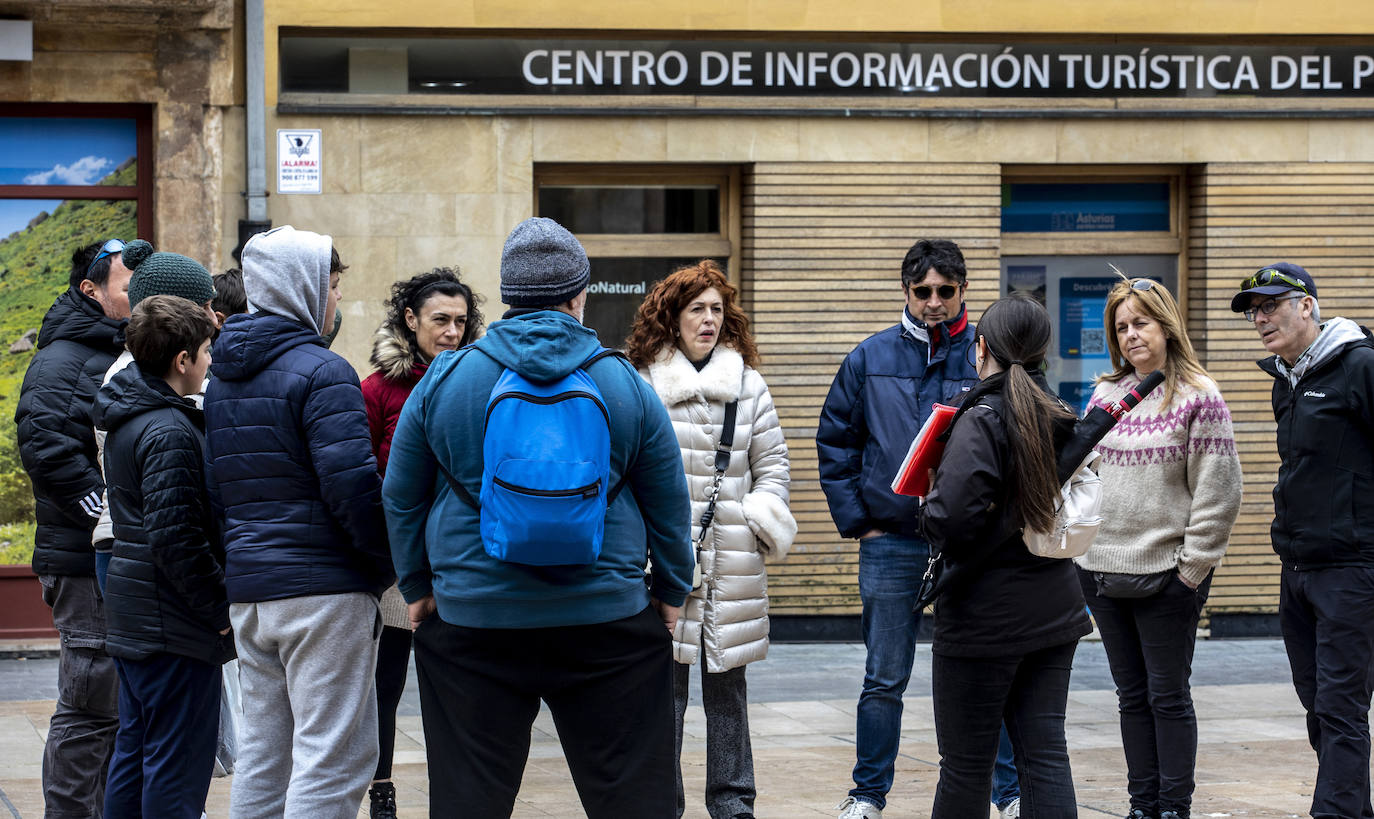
{"points": [[1012, 810], [852, 808]]}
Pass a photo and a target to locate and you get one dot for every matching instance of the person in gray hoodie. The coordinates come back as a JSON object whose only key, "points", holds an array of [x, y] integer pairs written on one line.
{"points": [[306, 559], [1323, 527]]}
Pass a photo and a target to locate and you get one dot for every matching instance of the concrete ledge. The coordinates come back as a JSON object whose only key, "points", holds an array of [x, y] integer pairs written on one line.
{"points": [[31, 649]]}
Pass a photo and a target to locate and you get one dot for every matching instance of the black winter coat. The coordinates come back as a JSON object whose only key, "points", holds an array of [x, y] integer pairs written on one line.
{"points": [[1324, 498], [165, 590], [291, 460], [1005, 601], [54, 419]]}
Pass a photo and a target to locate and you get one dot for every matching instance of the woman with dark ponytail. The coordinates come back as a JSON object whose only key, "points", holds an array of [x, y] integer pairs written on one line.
{"points": [[1007, 626]]}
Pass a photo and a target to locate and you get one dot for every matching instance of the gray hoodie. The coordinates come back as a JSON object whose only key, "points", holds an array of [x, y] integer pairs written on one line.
{"points": [[286, 273], [1334, 334]]}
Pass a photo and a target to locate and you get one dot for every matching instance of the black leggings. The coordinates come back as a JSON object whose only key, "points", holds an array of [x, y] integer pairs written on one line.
{"points": [[393, 663]]}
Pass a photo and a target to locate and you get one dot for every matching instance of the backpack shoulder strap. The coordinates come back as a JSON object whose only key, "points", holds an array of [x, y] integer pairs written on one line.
{"points": [[458, 489], [606, 352]]}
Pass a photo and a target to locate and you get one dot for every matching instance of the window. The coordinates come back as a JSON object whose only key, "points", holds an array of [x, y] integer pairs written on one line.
{"points": [[1062, 231], [638, 224]]}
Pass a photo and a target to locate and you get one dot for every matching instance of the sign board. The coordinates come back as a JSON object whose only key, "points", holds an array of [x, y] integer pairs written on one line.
{"points": [[16, 40], [645, 67], [299, 164]]}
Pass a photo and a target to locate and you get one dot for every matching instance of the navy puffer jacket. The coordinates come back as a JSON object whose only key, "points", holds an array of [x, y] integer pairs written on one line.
{"points": [[165, 591], [76, 345], [291, 465], [881, 396]]}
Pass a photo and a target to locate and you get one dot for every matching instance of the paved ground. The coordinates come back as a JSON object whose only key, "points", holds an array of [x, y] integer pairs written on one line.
{"points": [[1253, 758]]}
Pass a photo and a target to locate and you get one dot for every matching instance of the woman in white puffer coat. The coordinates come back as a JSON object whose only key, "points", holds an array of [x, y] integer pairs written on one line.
{"points": [[691, 342]]}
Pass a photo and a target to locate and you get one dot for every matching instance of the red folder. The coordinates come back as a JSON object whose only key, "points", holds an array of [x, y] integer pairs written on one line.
{"points": [[924, 455]]}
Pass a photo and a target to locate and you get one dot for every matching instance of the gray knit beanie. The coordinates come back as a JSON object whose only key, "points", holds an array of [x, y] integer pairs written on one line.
{"points": [[165, 274], [542, 265]]}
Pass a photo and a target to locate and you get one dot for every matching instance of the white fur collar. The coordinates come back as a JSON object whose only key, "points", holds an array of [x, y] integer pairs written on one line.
{"points": [[676, 380]]}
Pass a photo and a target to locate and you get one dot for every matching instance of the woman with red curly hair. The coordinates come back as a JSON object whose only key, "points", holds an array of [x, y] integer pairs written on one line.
{"points": [[691, 342]]}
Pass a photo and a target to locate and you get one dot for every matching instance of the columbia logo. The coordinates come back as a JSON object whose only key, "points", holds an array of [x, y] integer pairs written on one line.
{"points": [[1313, 394]]}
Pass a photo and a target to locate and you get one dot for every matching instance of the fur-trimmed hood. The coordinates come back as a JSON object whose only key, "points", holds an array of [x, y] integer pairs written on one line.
{"points": [[675, 379], [392, 354]]}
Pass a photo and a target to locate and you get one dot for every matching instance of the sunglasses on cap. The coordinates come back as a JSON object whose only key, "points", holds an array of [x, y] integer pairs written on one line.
{"points": [[923, 291], [1270, 276], [107, 250]]}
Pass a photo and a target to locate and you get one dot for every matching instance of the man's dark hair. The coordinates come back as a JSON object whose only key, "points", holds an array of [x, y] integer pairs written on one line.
{"points": [[230, 297], [163, 326], [941, 254], [82, 268], [336, 264]]}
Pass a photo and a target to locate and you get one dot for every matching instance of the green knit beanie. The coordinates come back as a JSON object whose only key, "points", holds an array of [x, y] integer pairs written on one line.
{"points": [[165, 274]]}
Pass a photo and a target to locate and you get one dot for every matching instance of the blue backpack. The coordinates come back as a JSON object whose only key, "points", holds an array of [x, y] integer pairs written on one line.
{"points": [[546, 465]]}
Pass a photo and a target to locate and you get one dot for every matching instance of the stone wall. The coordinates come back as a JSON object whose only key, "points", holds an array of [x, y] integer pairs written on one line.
{"points": [[183, 57]]}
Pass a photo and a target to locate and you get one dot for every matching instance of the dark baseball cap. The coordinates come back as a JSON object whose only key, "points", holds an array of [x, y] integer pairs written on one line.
{"points": [[1271, 280]]}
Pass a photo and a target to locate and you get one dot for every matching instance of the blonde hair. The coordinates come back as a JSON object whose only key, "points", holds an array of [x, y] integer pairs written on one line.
{"points": [[1181, 365]]}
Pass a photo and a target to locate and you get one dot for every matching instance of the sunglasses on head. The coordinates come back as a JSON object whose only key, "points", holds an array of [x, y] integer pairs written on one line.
{"points": [[923, 291], [1143, 284], [107, 250], [1270, 276]]}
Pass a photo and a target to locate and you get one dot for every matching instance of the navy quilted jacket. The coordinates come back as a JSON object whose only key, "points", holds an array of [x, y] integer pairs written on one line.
{"points": [[291, 465]]}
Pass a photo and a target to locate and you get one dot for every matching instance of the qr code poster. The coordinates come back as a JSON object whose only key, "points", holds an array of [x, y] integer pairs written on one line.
{"points": [[1092, 341], [299, 166]]}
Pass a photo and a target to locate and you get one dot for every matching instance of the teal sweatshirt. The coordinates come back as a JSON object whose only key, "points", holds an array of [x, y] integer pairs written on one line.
{"points": [[435, 541]]}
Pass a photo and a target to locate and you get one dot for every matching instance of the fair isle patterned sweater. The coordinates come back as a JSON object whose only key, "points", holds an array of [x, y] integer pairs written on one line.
{"points": [[1171, 483]]}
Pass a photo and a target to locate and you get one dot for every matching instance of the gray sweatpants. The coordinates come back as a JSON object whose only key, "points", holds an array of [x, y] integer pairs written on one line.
{"points": [[308, 744]]}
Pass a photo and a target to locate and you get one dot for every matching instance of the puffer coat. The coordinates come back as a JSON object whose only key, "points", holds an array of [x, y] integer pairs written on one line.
{"points": [[727, 615]]}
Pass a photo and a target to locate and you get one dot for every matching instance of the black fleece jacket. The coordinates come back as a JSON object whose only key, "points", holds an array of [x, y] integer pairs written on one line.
{"points": [[165, 591], [1002, 601]]}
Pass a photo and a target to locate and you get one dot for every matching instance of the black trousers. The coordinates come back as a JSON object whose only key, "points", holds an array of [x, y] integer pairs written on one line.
{"points": [[393, 665], [1327, 617], [608, 686], [1149, 643]]}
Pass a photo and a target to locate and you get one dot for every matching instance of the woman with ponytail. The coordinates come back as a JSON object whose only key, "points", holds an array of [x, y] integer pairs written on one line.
{"points": [[1007, 628]]}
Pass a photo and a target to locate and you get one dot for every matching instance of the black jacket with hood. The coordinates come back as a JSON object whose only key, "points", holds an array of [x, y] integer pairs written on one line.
{"points": [[76, 345], [165, 590], [1324, 498], [1001, 601]]}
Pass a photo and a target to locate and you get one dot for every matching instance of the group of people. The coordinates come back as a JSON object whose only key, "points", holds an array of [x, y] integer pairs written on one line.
{"points": [[543, 519]]}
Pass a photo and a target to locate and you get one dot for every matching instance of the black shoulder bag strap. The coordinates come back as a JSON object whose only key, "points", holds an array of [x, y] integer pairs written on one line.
{"points": [[727, 439]]}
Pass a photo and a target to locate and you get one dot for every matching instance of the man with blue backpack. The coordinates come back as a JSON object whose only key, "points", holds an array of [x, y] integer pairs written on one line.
{"points": [[531, 475]]}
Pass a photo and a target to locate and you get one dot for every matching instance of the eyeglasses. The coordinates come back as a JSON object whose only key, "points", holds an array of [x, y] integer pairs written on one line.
{"points": [[1267, 307], [946, 291], [1269, 276], [1143, 284], [108, 249]]}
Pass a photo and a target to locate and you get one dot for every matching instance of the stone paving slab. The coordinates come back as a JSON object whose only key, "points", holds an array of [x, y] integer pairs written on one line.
{"points": [[1253, 758]]}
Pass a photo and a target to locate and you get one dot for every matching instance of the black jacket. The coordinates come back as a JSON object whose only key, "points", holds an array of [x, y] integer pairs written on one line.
{"points": [[1324, 498], [165, 591], [76, 345], [1004, 601]]}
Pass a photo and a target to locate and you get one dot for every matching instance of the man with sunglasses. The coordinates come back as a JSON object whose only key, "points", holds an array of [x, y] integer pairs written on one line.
{"points": [[878, 401], [81, 335], [1323, 525]]}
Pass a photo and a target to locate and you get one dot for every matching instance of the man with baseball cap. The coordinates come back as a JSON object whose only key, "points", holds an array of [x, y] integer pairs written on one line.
{"points": [[498, 633], [1323, 527]]}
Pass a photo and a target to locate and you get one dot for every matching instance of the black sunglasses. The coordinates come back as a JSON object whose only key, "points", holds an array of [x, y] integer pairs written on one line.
{"points": [[108, 249], [923, 291]]}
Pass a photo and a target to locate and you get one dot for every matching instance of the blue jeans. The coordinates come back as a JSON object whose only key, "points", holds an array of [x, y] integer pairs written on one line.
{"points": [[973, 697]]}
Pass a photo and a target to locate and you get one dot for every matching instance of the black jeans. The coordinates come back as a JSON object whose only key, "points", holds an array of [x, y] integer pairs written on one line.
{"points": [[973, 697], [730, 787], [1327, 617], [393, 665], [1149, 643], [609, 687]]}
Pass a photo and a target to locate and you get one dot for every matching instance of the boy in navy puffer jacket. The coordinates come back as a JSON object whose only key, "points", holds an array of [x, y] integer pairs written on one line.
{"points": [[306, 552]]}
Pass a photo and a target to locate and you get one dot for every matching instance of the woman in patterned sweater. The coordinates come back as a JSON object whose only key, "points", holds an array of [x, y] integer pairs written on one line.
{"points": [[1172, 486]]}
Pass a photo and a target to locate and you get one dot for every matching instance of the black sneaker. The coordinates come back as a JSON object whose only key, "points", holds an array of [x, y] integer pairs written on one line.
{"points": [[1138, 814], [383, 796], [1170, 814]]}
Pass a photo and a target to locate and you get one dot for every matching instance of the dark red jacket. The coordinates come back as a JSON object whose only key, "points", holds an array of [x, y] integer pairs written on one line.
{"points": [[384, 398]]}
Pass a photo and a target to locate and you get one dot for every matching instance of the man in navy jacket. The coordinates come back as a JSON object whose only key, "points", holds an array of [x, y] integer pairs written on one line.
{"points": [[881, 396], [306, 556]]}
